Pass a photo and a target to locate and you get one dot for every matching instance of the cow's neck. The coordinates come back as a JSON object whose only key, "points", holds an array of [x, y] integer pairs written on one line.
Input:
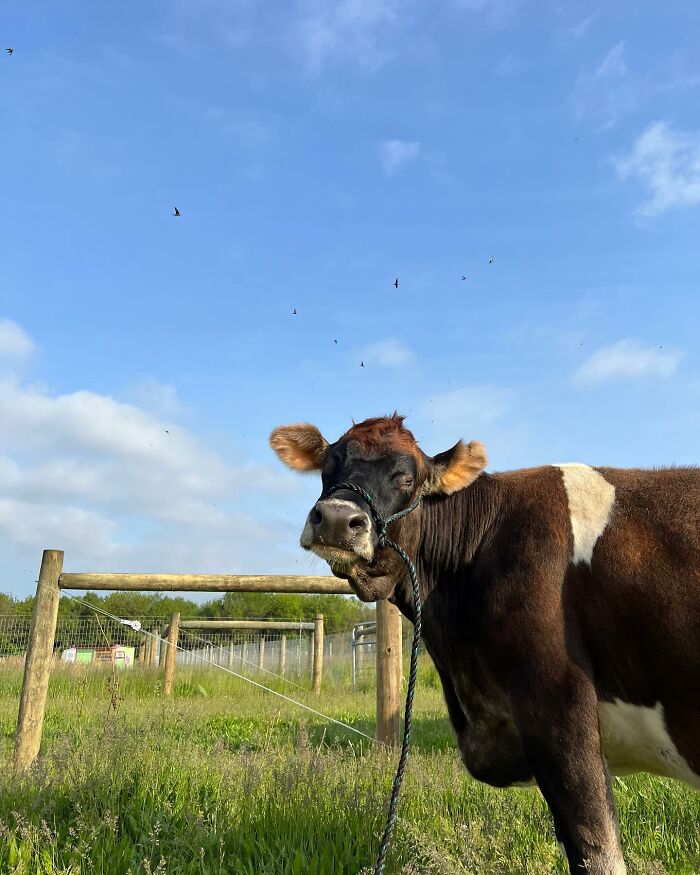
{"points": [[452, 529]]}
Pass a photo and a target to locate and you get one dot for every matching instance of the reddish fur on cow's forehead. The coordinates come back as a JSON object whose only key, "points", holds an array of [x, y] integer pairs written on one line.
{"points": [[383, 433]]}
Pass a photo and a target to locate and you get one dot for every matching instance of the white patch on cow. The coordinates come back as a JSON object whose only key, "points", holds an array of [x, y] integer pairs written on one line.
{"points": [[606, 863], [619, 866], [635, 739], [591, 500]]}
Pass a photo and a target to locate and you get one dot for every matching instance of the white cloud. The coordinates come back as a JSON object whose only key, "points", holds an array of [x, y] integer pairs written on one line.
{"points": [[316, 33], [535, 334], [156, 397], [49, 525], [15, 343], [609, 91], [120, 488], [476, 406], [668, 163], [90, 447], [628, 359], [485, 413], [613, 64], [582, 26], [389, 353], [396, 154], [614, 88], [348, 30]]}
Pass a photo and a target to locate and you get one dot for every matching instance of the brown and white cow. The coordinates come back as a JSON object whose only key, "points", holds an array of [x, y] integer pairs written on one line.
{"points": [[561, 609]]}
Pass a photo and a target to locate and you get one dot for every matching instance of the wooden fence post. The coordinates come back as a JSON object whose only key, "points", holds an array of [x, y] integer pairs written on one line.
{"points": [[283, 654], [37, 666], [261, 652], [389, 670], [318, 654], [244, 654], [170, 651], [163, 648], [153, 652]]}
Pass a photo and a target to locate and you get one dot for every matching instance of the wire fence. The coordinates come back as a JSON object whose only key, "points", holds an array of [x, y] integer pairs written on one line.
{"points": [[363, 641], [98, 640], [249, 651]]}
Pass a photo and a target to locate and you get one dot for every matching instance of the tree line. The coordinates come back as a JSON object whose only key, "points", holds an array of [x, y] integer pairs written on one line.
{"points": [[339, 612]]}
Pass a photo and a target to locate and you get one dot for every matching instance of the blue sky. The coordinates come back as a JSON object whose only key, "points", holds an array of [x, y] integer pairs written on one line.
{"points": [[316, 151]]}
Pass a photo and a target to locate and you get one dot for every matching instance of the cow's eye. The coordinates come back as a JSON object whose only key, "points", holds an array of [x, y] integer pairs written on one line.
{"points": [[403, 481]]}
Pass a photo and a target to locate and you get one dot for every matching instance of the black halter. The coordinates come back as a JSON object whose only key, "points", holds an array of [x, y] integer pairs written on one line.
{"points": [[381, 523], [383, 541]]}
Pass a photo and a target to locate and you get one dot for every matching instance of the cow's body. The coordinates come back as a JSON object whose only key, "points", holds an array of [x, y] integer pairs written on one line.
{"points": [[561, 606], [568, 565]]}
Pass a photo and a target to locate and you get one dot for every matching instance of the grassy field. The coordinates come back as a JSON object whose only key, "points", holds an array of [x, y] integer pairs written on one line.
{"points": [[228, 779]]}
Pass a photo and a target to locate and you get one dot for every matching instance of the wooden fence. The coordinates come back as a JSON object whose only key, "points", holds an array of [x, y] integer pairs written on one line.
{"points": [[52, 579]]}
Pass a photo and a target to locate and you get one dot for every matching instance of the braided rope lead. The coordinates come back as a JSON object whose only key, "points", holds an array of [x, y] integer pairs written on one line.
{"points": [[384, 541]]}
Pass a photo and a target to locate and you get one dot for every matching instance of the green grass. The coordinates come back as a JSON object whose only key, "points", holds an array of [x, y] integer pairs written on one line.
{"points": [[227, 779]]}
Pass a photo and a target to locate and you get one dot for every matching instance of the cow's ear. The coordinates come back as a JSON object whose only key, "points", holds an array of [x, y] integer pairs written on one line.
{"points": [[456, 468], [301, 447]]}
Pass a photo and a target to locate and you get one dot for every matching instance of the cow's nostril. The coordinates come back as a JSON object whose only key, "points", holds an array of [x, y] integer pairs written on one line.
{"points": [[358, 522], [315, 517]]}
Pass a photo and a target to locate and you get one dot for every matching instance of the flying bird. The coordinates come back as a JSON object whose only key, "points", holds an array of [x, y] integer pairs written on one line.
{"points": [[294, 312], [362, 364], [335, 341], [491, 260], [9, 51], [176, 212], [396, 283], [463, 277]]}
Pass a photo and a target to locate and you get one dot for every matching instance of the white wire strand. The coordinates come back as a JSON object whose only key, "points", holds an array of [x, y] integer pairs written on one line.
{"points": [[227, 670]]}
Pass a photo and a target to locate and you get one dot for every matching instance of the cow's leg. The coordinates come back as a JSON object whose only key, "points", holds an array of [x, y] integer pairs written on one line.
{"points": [[558, 722]]}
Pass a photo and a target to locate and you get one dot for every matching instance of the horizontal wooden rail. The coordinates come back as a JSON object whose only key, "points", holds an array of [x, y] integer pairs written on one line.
{"points": [[262, 625], [205, 583], [40, 650]]}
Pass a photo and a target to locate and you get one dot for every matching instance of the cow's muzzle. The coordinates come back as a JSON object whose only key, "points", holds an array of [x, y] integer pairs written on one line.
{"points": [[339, 531]]}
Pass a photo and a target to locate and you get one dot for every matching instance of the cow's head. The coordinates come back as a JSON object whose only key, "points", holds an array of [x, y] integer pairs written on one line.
{"points": [[382, 457]]}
